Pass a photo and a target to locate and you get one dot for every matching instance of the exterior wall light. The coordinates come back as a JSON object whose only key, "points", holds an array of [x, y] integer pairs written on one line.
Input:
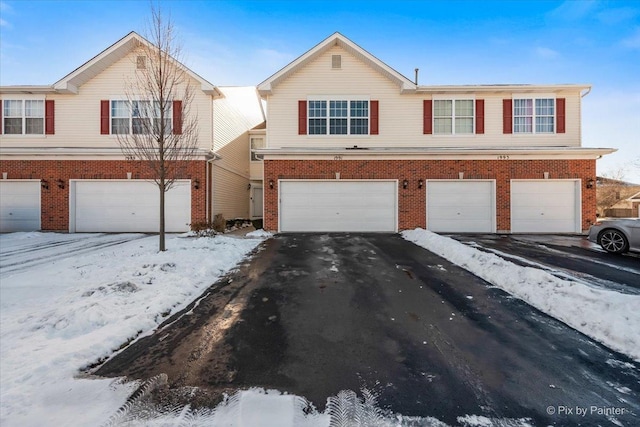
{"points": [[420, 183], [60, 183], [405, 184], [271, 184], [44, 184], [590, 183], [196, 183]]}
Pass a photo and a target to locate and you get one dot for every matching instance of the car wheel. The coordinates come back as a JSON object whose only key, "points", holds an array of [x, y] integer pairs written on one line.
{"points": [[613, 241]]}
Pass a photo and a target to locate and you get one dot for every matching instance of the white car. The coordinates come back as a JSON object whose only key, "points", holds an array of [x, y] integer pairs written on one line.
{"points": [[616, 235]]}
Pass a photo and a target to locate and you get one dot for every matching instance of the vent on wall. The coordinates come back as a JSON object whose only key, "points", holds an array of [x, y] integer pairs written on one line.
{"points": [[141, 62], [336, 61]]}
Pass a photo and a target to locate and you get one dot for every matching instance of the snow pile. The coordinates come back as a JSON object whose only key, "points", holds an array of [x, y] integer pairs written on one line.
{"points": [[607, 316], [260, 233], [61, 316]]}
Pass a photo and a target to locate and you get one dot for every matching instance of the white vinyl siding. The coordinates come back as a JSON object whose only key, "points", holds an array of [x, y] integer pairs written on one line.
{"points": [[19, 205], [340, 206], [116, 206], [545, 206], [461, 206]]}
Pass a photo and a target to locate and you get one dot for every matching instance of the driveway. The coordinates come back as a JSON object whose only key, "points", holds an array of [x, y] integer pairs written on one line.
{"points": [[314, 314]]}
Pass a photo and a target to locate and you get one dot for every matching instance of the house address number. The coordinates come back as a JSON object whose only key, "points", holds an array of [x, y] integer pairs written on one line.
{"points": [[337, 157], [503, 157]]}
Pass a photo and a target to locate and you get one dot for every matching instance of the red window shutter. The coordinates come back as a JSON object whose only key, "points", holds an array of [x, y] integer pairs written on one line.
{"points": [[177, 117], [479, 116], [560, 115], [507, 116], [374, 118], [302, 117], [49, 117], [1, 113], [104, 117], [427, 117]]}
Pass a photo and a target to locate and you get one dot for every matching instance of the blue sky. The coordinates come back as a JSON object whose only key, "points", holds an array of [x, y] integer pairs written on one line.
{"points": [[452, 42]]}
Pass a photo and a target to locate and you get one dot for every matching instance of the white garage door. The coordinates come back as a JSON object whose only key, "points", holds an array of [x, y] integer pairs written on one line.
{"points": [[19, 205], [545, 206], [461, 206], [128, 206], [365, 206]]}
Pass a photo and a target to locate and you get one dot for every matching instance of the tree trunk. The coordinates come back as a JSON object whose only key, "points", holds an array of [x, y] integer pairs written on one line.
{"points": [[162, 193]]}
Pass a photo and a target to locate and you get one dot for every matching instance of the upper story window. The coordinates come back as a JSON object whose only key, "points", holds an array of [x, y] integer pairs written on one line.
{"points": [[534, 115], [453, 117], [139, 117], [338, 117], [257, 142], [23, 117]]}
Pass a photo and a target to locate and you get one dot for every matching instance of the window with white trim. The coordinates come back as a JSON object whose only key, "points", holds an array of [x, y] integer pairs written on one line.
{"points": [[338, 117], [139, 117], [453, 116], [23, 116], [534, 115], [257, 142]]}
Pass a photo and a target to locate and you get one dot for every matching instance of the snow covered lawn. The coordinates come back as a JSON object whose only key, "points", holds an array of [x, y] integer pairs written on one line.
{"points": [[70, 311], [609, 317]]}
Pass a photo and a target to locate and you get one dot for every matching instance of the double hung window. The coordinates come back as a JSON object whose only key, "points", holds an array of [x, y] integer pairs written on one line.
{"points": [[453, 117], [23, 116], [338, 117], [139, 117], [534, 115]]}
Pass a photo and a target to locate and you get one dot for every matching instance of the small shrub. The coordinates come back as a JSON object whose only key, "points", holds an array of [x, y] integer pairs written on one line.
{"points": [[203, 229], [219, 223], [257, 223]]}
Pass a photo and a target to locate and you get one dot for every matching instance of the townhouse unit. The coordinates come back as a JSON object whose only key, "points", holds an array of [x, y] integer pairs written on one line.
{"points": [[62, 167], [337, 140], [353, 145]]}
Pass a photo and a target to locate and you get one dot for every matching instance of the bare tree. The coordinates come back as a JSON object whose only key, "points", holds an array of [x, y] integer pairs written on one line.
{"points": [[163, 131]]}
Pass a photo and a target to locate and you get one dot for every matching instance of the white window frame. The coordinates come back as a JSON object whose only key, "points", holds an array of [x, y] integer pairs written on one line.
{"points": [[453, 116], [534, 116], [131, 117], [252, 156], [349, 117], [23, 115]]}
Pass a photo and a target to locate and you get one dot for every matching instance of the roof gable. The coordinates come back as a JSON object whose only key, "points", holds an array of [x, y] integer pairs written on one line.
{"points": [[90, 69], [337, 39]]}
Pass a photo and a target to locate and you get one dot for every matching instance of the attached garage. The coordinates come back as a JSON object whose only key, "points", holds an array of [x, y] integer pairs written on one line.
{"points": [[341, 206], [461, 206], [19, 205], [545, 206], [116, 206]]}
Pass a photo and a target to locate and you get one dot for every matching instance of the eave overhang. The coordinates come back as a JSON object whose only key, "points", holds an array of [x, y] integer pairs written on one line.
{"points": [[440, 153], [73, 153]]}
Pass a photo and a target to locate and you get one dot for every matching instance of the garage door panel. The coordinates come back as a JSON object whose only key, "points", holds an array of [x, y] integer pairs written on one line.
{"points": [[460, 206], [19, 206], [130, 206], [366, 206], [544, 206]]}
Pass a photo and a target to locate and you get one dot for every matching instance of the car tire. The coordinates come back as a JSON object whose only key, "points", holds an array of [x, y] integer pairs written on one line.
{"points": [[613, 241]]}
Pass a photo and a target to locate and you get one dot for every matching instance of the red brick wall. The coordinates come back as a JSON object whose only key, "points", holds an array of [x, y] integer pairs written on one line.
{"points": [[412, 201], [55, 200]]}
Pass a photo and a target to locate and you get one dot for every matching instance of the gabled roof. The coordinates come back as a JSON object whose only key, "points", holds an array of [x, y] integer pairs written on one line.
{"points": [[635, 197], [72, 81], [337, 39]]}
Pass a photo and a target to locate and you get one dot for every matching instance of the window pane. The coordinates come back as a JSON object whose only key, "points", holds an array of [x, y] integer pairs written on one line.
{"points": [[12, 108], [34, 126], [464, 108], [522, 124], [442, 125], [442, 108], [317, 126], [317, 108], [120, 126], [359, 108], [119, 109], [141, 126], [544, 124], [12, 126], [464, 125], [34, 108], [337, 108], [544, 107], [523, 107], [337, 126], [359, 126]]}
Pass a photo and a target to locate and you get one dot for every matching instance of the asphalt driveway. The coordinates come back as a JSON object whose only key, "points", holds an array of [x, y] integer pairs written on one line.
{"points": [[314, 314]]}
